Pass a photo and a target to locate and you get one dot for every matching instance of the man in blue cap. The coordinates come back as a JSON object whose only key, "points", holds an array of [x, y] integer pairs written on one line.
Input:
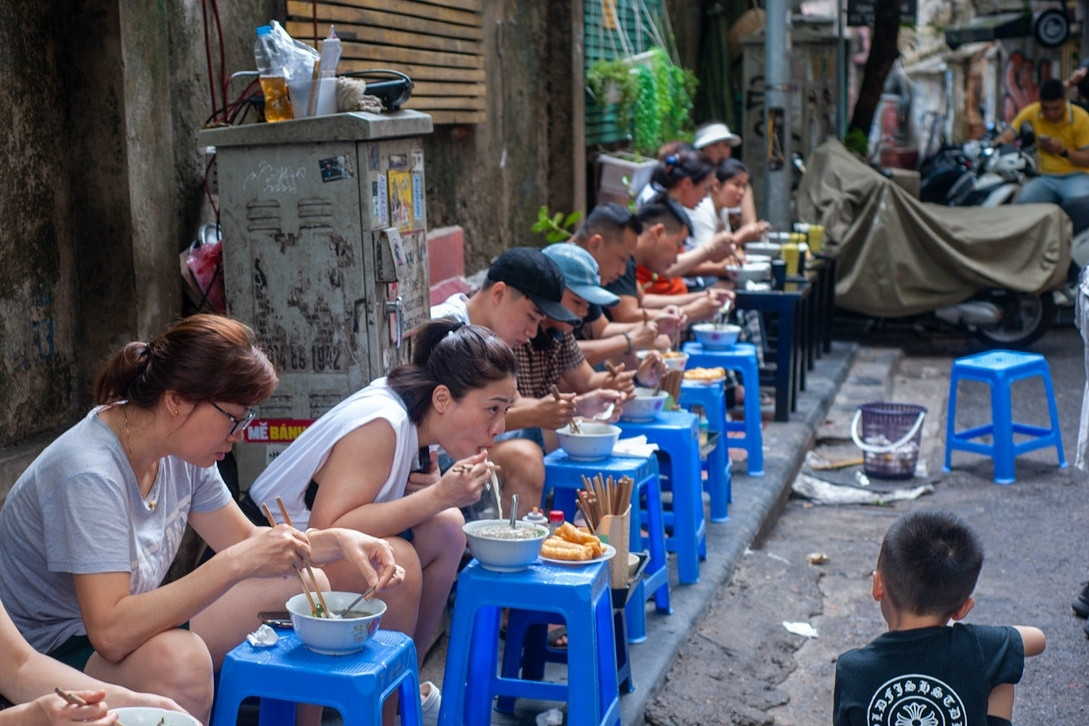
{"points": [[554, 357]]}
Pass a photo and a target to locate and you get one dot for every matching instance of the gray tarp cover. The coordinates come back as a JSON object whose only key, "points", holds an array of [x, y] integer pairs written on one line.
{"points": [[899, 256]]}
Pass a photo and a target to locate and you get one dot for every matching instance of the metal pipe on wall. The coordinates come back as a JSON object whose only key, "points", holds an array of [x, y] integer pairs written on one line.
{"points": [[777, 115]]}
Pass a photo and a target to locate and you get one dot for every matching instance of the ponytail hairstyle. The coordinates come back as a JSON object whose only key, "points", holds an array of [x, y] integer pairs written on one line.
{"points": [[450, 353], [675, 168], [201, 358], [729, 168]]}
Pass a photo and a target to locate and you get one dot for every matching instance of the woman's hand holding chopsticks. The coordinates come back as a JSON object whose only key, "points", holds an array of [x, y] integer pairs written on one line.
{"points": [[79, 706], [299, 561]]}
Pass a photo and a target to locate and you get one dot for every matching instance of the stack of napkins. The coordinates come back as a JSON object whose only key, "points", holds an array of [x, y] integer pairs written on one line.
{"points": [[635, 446]]}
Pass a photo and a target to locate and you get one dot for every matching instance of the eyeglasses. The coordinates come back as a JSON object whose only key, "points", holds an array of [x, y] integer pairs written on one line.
{"points": [[238, 423]]}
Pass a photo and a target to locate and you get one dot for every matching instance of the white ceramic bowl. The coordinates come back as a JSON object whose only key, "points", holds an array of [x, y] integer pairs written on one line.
{"points": [[595, 441], [751, 271], [674, 360], [645, 406], [333, 636], [491, 543], [757, 258], [150, 716], [715, 336], [771, 249]]}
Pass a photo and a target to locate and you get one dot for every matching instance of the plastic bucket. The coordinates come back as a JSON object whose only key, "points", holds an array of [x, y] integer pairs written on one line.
{"points": [[889, 435]]}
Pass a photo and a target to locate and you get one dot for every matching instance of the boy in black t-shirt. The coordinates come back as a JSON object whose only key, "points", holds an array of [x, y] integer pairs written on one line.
{"points": [[924, 671]]}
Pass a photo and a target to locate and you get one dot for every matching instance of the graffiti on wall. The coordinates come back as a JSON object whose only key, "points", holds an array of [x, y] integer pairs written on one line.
{"points": [[1021, 78]]}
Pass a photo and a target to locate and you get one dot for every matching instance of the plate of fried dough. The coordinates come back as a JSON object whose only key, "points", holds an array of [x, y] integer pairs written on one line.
{"points": [[569, 545]]}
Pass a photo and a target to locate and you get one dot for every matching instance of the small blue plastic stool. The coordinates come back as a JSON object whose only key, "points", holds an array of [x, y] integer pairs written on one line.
{"points": [[287, 673], [563, 476], [580, 595], [711, 397], [739, 357], [677, 435], [1000, 369]]}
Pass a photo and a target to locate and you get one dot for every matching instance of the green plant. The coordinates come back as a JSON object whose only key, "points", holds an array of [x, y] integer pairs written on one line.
{"points": [[655, 102], [612, 82], [556, 227]]}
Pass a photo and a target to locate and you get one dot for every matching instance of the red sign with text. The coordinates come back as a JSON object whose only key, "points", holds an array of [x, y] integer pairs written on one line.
{"points": [[275, 430]]}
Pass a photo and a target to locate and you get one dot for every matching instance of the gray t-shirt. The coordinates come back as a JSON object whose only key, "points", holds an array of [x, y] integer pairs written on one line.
{"points": [[77, 509]]}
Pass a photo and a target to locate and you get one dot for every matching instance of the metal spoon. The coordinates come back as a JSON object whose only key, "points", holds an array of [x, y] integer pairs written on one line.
{"points": [[514, 511], [364, 596]]}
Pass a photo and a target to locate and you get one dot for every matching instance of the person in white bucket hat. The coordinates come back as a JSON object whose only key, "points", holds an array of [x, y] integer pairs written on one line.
{"points": [[715, 139]]}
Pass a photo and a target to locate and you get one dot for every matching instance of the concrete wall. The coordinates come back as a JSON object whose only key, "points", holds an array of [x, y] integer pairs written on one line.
{"points": [[491, 178], [101, 178]]}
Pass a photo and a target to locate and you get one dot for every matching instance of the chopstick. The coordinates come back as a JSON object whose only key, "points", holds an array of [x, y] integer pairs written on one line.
{"points": [[458, 468], [75, 700], [613, 370], [556, 395], [600, 498], [309, 569], [306, 590]]}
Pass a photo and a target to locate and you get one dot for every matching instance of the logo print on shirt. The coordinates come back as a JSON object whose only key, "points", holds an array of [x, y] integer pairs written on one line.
{"points": [[915, 700]]}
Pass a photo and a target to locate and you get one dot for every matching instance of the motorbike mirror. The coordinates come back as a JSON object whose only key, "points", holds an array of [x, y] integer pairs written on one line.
{"points": [[1027, 137]]}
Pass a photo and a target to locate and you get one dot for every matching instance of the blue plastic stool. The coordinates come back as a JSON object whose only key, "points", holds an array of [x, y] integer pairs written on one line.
{"points": [[580, 595], [999, 369], [287, 673], [711, 397], [739, 357], [677, 435], [563, 477]]}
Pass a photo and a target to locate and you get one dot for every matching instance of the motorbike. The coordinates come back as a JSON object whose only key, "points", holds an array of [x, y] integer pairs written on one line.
{"points": [[978, 174], [988, 270]]}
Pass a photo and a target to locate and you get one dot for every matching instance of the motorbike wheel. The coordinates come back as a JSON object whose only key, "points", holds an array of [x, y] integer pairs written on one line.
{"points": [[1025, 318]]}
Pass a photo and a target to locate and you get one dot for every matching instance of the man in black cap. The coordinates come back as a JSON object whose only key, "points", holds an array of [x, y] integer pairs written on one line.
{"points": [[521, 289]]}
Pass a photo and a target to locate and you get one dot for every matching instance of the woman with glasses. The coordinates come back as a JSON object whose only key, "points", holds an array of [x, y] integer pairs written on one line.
{"points": [[353, 466], [89, 530]]}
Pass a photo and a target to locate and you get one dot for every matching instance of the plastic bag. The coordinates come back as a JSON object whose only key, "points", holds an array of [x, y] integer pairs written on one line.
{"points": [[297, 58], [202, 271]]}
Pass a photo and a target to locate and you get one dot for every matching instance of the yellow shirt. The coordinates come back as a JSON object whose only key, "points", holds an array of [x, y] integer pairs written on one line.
{"points": [[1072, 130]]}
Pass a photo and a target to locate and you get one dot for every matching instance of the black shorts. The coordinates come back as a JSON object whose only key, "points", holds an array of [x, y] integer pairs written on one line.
{"points": [[77, 650]]}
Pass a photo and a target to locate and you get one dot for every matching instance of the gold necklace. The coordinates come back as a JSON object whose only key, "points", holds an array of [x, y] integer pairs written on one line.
{"points": [[152, 497]]}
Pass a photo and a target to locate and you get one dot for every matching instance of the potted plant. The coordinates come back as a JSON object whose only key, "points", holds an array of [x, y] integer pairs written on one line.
{"points": [[612, 83], [652, 95]]}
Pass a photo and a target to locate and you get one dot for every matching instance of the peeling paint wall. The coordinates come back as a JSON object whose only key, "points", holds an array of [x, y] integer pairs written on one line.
{"points": [[99, 189], [101, 176]]}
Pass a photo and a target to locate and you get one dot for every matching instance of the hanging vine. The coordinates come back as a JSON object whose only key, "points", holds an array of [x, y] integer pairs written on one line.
{"points": [[663, 104]]}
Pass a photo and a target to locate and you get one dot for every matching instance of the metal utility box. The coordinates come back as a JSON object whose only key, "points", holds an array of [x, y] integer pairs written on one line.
{"points": [[324, 255]]}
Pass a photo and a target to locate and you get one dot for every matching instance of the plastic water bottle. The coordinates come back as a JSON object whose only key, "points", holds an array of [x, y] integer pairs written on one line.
{"points": [[273, 82]]}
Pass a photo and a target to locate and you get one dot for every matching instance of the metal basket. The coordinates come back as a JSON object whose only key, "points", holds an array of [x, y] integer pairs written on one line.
{"points": [[890, 436]]}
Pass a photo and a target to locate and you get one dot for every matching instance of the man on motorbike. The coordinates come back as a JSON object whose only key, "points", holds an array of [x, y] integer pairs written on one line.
{"points": [[1062, 141]]}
